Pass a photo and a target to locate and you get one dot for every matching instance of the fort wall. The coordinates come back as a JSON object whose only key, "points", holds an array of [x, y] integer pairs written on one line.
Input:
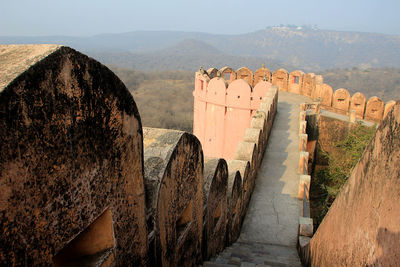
{"points": [[223, 107], [82, 181], [362, 227]]}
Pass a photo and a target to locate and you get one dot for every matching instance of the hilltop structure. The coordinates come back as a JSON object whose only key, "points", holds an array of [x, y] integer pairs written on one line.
{"points": [[83, 182]]}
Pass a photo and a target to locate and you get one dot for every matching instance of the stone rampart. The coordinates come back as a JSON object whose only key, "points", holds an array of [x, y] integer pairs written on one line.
{"points": [[83, 183], [338, 101], [362, 226], [224, 106]]}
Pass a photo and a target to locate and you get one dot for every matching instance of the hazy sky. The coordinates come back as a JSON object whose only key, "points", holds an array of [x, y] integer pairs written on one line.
{"points": [[90, 17]]}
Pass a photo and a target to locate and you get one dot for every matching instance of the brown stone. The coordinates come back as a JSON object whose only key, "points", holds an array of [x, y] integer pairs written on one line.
{"points": [[388, 107], [173, 162], [363, 224], [374, 110], [247, 151], [324, 94], [70, 160], [234, 194], [215, 206], [245, 74], [262, 73], [341, 100], [309, 84], [212, 72], [280, 78], [358, 104], [244, 168], [255, 136]]}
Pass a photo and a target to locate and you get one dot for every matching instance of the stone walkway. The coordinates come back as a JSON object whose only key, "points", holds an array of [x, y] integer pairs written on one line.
{"points": [[269, 231]]}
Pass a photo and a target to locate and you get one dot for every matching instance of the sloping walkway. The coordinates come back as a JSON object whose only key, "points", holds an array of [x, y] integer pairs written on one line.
{"points": [[269, 231]]}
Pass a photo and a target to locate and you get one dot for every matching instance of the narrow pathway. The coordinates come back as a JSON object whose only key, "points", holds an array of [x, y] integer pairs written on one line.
{"points": [[269, 231]]}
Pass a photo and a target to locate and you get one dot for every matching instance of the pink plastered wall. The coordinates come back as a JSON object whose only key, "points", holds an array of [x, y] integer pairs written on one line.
{"points": [[222, 112]]}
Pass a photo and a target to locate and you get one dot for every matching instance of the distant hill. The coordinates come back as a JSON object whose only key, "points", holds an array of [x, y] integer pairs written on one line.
{"points": [[304, 48], [188, 54]]}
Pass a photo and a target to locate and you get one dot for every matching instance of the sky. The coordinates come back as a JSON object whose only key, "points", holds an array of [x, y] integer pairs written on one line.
{"points": [[91, 17]]}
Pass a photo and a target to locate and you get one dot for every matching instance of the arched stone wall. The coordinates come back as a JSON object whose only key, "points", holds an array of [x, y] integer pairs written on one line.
{"points": [[358, 104], [280, 78], [215, 205], [71, 158], [374, 110], [308, 84], [173, 162], [324, 93], [260, 74], [341, 100], [245, 74], [228, 74]]}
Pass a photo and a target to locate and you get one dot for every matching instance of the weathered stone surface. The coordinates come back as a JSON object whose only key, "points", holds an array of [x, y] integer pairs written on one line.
{"points": [[388, 107], [71, 154], [215, 206], [309, 84], [245, 74], [305, 226], [280, 78], [341, 100], [374, 110], [234, 195], [244, 168], [363, 224], [248, 151], [262, 73], [212, 72], [255, 136], [358, 104], [324, 94], [173, 162]]}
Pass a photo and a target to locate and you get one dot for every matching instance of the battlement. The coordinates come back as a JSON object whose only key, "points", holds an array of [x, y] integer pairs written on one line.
{"points": [[307, 84], [224, 103]]}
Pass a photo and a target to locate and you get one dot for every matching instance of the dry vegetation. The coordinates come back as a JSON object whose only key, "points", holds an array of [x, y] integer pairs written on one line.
{"points": [[164, 99]]}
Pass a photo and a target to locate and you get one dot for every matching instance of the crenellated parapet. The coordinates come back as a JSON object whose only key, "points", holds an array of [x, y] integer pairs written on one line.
{"points": [[339, 101], [307, 84], [224, 106]]}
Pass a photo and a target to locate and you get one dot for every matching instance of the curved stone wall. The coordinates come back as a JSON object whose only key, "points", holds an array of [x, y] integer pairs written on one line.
{"points": [[71, 151]]}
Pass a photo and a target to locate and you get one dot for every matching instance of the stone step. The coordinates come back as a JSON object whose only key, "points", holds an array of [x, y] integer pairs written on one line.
{"points": [[215, 264], [258, 254]]}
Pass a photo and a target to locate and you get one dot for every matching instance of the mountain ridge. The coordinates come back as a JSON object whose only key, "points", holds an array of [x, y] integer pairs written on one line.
{"points": [[303, 48]]}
